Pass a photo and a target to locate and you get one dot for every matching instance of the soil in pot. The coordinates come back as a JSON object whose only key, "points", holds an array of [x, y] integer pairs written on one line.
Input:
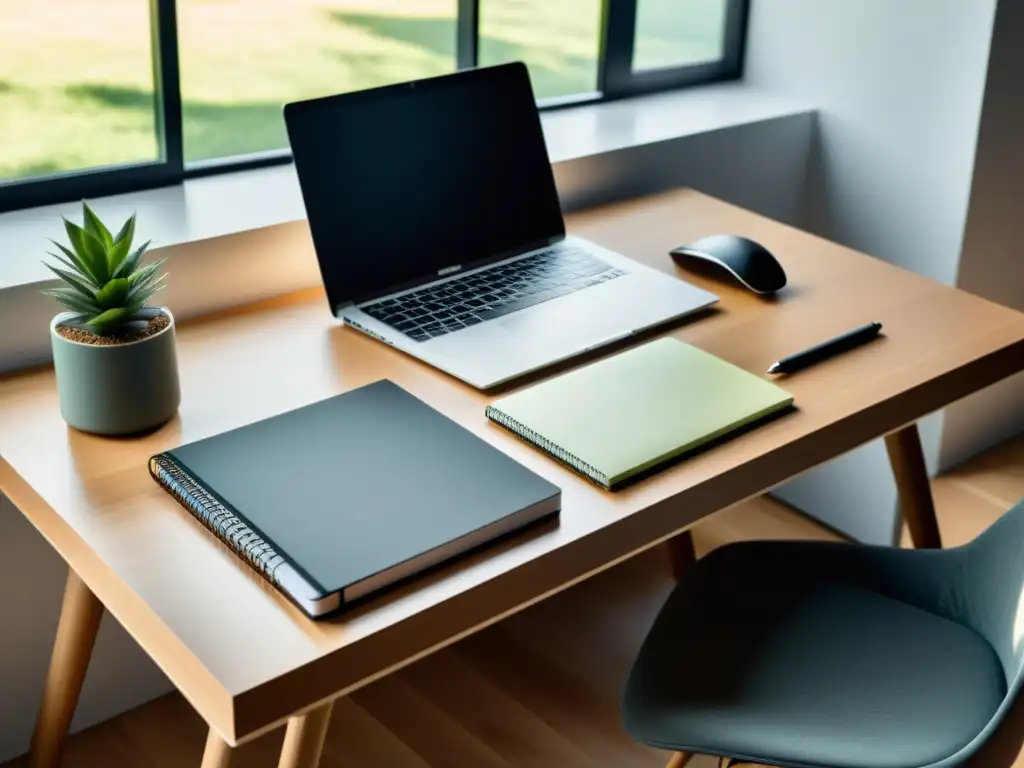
{"points": [[83, 336]]}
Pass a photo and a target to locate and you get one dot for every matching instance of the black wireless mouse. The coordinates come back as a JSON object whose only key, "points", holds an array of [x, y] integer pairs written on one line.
{"points": [[747, 261]]}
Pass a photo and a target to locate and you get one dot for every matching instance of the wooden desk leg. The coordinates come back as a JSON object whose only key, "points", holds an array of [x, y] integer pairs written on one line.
{"points": [[679, 759], [914, 487], [217, 753], [304, 739], [681, 553], [80, 615]]}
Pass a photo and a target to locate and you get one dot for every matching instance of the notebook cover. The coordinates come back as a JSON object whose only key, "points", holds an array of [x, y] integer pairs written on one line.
{"points": [[616, 418], [351, 486]]}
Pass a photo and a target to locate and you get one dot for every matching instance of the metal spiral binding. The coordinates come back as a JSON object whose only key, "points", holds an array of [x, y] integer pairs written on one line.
{"points": [[546, 445], [220, 520]]}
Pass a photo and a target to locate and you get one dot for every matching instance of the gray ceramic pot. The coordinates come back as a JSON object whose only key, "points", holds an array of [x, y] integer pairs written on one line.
{"points": [[118, 389]]}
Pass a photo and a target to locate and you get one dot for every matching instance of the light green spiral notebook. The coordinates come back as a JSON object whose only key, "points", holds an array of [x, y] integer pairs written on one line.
{"points": [[620, 417]]}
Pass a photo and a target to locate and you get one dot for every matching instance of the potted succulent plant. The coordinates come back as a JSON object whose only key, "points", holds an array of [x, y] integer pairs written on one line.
{"points": [[114, 356]]}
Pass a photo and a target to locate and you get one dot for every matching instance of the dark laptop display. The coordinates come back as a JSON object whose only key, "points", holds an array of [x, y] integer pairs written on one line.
{"points": [[404, 182]]}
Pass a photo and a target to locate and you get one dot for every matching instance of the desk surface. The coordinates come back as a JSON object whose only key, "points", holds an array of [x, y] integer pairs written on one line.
{"points": [[247, 659]]}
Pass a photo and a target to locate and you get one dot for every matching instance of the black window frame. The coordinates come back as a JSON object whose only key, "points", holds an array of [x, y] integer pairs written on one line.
{"points": [[616, 79]]}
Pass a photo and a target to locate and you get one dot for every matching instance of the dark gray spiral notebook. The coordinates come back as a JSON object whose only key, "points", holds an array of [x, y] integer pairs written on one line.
{"points": [[336, 500]]}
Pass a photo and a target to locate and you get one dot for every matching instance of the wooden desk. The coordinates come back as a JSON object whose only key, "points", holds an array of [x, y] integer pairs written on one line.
{"points": [[248, 661]]}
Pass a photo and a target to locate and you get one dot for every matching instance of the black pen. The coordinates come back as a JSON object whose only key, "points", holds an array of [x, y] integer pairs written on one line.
{"points": [[826, 349]]}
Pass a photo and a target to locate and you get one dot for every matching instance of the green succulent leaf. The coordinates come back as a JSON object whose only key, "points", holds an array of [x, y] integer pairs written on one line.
{"points": [[95, 227], [133, 325], [143, 292], [80, 264], [147, 313], [114, 293], [76, 321], [73, 300], [102, 282], [127, 267], [90, 250], [149, 284], [135, 310], [127, 231], [145, 289], [145, 273], [108, 320], [122, 245], [72, 267], [74, 281]]}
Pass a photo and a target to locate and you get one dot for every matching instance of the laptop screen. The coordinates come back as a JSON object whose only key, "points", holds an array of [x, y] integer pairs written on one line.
{"points": [[406, 181]]}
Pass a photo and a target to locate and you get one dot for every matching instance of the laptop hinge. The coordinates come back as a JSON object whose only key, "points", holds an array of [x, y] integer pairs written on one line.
{"points": [[339, 311]]}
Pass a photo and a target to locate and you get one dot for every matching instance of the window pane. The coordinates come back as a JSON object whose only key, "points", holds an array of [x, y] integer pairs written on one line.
{"points": [[673, 33], [558, 40], [241, 60], [76, 86]]}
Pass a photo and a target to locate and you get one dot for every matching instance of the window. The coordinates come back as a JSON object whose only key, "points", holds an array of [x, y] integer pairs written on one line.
{"points": [[673, 33], [110, 96], [242, 60], [558, 41], [76, 86]]}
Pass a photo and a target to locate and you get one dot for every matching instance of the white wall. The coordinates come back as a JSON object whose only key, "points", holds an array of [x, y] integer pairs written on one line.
{"points": [[992, 263], [898, 86], [761, 166]]}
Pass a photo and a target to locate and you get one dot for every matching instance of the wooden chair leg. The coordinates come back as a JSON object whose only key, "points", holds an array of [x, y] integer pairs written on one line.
{"points": [[679, 759], [914, 487], [80, 616], [681, 553], [217, 753], [304, 739]]}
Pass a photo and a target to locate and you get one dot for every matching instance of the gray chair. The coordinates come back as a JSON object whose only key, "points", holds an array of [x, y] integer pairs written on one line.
{"points": [[811, 655]]}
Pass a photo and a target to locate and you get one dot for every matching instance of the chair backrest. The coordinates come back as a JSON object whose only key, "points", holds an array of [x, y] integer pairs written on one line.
{"points": [[989, 573], [981, 585]]}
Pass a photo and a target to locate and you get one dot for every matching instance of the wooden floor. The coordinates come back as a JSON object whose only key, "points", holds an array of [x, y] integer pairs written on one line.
{"points": [[539, 690]]}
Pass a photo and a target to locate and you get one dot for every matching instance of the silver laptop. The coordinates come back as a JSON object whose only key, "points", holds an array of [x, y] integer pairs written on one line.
{"points": [[437, 226]]}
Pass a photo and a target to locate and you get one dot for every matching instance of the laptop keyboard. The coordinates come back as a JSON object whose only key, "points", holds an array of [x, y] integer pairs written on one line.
{"points": [[446, 307]]}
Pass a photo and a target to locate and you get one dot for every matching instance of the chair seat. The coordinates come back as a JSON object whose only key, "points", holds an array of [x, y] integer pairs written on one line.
{"points": [[756, 657]]}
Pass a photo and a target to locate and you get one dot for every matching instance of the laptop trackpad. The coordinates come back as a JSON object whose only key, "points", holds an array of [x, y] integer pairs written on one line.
{"points": [[580, 318]]}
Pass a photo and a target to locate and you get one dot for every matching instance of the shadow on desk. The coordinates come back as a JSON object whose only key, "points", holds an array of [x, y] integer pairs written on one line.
{"points": [[341, 342], [412, 585], [338, 334], [578, 361]]}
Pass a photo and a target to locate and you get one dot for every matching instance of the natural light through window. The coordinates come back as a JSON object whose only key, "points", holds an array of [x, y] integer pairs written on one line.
{"points": [[105, 97], [559, 41], [76, 86], [241, 60], [670, 33]]}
